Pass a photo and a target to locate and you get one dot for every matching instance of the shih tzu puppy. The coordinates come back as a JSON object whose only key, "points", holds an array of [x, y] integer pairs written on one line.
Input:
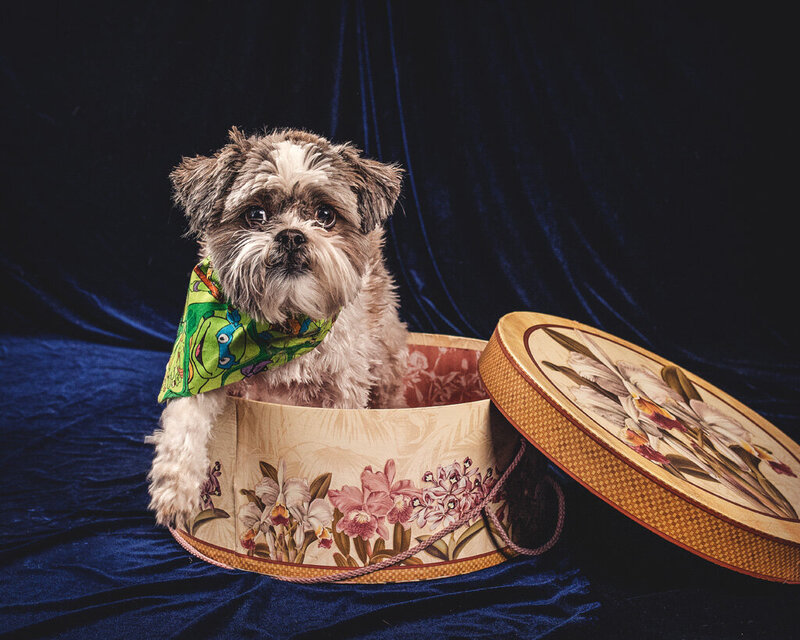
{"points": [[292, 303]]}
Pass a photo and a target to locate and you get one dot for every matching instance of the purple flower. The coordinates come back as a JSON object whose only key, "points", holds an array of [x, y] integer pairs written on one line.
{"points": [[211, 486]]}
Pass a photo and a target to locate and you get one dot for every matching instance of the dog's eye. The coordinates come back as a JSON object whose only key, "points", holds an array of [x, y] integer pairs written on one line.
{"points": [[326, 217], [255, 215]]}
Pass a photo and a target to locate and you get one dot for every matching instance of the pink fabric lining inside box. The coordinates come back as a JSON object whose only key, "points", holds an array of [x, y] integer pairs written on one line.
{"points": [[442, 375]]}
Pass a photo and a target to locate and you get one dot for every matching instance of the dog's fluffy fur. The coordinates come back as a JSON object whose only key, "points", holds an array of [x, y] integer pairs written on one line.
{"points": [[291, 176]]}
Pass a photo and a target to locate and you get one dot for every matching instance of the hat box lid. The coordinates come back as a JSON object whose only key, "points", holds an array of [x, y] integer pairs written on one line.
{"points": [[661, 445]]}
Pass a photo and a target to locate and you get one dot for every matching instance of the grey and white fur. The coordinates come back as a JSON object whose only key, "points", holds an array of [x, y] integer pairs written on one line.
{"points": [[293, 225]]}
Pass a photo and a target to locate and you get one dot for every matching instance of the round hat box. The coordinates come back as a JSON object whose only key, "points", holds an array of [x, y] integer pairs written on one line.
{"points": [[303, 492], [661, 445]]}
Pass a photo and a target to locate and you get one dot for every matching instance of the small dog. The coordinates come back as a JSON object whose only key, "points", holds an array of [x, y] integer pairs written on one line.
{"points": [[293, 225]]}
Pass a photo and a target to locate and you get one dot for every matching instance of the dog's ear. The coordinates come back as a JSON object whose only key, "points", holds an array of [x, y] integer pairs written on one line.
{"points": [[376, 185], [200, 184]]}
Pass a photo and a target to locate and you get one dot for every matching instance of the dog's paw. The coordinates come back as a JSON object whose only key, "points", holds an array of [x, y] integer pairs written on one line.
{"points": [[174, 489], [174, 499], [180, 465]]}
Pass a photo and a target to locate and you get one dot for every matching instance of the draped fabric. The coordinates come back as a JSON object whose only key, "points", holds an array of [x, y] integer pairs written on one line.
{"points": [[625, 166]]}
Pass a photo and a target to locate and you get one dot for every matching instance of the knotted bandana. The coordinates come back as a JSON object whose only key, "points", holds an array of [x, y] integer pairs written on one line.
{"points": [[218, 345]]}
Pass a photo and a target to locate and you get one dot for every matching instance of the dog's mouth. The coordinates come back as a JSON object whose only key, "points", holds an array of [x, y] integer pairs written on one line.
{"points": [[295, 263]]}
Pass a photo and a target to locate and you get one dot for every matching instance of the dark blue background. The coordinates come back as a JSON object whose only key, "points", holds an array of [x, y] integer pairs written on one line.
{"points": [[628, 166]]}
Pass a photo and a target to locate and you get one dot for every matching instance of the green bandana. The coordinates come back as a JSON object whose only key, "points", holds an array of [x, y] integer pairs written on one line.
{"points": [[218, 344]]}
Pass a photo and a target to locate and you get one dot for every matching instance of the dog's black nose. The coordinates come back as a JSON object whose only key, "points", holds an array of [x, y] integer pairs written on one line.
{"points": [[290, 239]]}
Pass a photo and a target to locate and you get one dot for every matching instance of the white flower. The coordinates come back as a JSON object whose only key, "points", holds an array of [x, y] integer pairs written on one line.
{"points": [[723, 426], [282, 496], [254, 518], [315, 517], [589, 399], [617, 413], [649, 384], [591, 369]]}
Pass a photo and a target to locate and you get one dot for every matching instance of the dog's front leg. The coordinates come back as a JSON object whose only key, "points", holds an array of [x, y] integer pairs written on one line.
{"points": [[180, 465]]}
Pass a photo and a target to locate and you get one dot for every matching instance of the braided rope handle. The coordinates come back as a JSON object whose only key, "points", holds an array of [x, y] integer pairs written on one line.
{"points": [[483, 506]]}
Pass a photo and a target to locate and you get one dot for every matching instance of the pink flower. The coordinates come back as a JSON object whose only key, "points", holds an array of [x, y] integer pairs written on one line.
{"points": [[457, 489], [401, 493], [446, 490], [433, 511], [446, 500], [363, 510], [444, 513]]}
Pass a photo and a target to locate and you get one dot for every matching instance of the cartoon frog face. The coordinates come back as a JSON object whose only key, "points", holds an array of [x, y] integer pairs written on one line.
{"points": [[219, 343]]}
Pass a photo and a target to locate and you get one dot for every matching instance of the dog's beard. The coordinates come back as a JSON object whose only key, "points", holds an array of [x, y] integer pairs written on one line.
{"points": [[270, 284]]}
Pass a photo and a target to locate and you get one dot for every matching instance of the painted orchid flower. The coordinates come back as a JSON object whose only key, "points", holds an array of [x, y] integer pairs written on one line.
{"points": [[254, 518], [595, 402], [401, 493], [591, 369], [457, 472], [616, 412], [442, 513], [483, 486], [657, 414], [674, 427], [640, 394], [281, 497], [648, 384], [633, 418], [441, 503], [431, 511], [363, 511], [315, 516], [449, 483], [640, 441], [666, 408], [722, 426], [211, 486], [457, 489]]}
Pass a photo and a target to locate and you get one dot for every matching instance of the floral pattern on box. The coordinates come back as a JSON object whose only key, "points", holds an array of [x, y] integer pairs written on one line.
{"points": [[325, 489], [439, 375], [361, 525], [661, 415], [210, 489]]}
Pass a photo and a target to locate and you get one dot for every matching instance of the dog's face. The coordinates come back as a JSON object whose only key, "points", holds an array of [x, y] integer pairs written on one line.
{"points": [[289, 220]]}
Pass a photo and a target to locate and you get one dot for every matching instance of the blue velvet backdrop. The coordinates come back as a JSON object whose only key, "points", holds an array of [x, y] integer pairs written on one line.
{"points": [[624, 166]]}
